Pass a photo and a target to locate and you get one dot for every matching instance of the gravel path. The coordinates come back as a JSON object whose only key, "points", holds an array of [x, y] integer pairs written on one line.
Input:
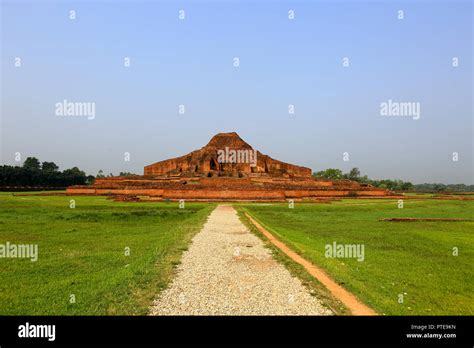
{"points": [[228, 271]]}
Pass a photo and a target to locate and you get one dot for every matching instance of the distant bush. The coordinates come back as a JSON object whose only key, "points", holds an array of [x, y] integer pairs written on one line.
{"points": [[393, 185]]}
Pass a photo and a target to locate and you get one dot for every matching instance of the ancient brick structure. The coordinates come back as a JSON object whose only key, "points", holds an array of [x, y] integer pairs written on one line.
{"points": [[227, 168], [237, 159]]}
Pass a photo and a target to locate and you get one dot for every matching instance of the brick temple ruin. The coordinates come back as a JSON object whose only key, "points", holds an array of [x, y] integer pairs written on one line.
{"points": [[226, 169]]}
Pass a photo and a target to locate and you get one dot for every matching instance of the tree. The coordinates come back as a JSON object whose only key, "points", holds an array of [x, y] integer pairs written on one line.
{"points": [[331, 173], [90, 179], [32, 163], [74, 176], [100, 174], [126, 174], [354, 174], [49, 167]]}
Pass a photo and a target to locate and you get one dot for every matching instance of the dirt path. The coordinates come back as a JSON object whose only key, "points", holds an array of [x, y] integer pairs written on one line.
{"points": [[228, 271], [350, 301]]}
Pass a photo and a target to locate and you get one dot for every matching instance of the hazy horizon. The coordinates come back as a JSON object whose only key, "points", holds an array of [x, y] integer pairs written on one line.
{"points": [[283, 62]]}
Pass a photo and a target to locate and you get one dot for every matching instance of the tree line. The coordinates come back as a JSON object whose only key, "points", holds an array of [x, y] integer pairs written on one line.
{"points": [[393, 185], [33, 173]]}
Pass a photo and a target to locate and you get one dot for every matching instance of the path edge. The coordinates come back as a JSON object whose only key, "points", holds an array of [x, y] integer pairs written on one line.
{"points": [[353, 304]]}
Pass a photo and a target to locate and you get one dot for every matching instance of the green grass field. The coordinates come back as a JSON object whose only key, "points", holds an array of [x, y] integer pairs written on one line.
{"points": [[414, 259], [82, 252]]}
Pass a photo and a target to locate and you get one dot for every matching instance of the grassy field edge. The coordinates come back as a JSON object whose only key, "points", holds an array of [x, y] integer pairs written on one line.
{"points": [[82, 253], [406, 259]]}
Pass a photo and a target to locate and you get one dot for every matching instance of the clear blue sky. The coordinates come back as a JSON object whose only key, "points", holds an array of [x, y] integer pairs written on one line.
{"points": [[282, 62]]}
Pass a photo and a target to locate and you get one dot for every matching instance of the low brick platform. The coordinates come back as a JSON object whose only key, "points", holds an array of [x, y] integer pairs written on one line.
{"points": [[227, 189]]}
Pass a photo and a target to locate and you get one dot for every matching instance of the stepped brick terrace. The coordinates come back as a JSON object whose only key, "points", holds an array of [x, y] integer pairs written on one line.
{"points": [[226, 169]]}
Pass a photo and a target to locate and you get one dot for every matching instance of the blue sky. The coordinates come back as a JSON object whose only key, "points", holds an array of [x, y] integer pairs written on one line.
{"points": [[282, 62]]}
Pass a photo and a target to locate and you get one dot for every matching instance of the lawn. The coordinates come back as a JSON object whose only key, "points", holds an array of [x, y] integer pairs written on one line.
{"points": [[409, 267], [111, 258]]}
